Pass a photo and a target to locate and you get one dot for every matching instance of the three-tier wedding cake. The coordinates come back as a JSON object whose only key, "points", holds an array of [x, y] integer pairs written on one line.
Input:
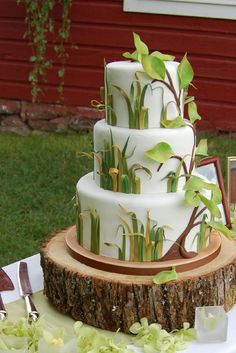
{"points": [[141, 202]]}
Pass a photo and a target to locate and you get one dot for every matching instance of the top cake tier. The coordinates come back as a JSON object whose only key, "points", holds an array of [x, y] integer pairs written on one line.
{"points": [[134, 100]]}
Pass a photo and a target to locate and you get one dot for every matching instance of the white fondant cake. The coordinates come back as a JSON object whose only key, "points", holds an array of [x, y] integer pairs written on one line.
{"points": [[143, 202], [165, 210], [140, 141], [125, 73]]}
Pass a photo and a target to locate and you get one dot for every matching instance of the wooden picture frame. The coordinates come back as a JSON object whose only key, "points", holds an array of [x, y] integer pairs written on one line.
{"points": [[211, 169], [231, 184]]}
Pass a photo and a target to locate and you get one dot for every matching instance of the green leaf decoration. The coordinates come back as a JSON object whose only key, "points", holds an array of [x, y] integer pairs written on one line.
{"points": [[189, 99], [154, 67], [192, 112], [127, 100], [216, 194], [133, 56], [212, 207], [233, 227], [192, 198], [140, 46], [138, 166], [163, 57], [185, 72], [173, 124], [201, 235], [160, 153], [165, 276], [220, 227], [202, 148], [171, 181], [195, 183], [115, 246]]}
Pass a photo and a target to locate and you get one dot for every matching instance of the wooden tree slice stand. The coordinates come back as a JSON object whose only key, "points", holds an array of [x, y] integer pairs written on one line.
{"points": [[114, 301]]}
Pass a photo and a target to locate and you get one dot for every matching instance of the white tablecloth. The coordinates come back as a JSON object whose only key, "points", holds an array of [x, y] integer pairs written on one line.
{"points": [[36, 279]]}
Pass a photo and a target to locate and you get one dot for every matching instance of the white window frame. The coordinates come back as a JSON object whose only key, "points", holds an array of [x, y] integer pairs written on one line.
{"points": [[198, 8]]}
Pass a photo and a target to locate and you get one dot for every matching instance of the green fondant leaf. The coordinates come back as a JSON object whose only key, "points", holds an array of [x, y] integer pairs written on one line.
{"points": [[163, 57], [154, 67], [140, 46], [220, 227], [192, 112], [132, 56], [211, 206], [195, 183], [165, 276], [216, 194], [138, 166], [192, 198], [201, 235], [185, 72], [202, 148], [115, 246], [128, 103], [189, 99], [160, 153], [173, 124]]}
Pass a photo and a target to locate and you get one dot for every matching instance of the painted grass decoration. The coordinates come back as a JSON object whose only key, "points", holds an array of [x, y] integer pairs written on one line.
{"points": [[146, 241], [111, 118], [137, 112], [202, 234], [78, 220], [94, 228], [113, 169], [122, 250], [95, 231]]}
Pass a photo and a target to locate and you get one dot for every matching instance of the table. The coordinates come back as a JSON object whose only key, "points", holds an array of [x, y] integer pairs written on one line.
{"points": [[36, 278]]}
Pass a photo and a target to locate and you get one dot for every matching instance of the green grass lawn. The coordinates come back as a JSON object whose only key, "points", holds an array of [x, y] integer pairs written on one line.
{"points": [[38, 175]]}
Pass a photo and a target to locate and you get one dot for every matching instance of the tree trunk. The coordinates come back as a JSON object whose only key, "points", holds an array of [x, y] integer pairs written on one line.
{"points": [[111, 300]]}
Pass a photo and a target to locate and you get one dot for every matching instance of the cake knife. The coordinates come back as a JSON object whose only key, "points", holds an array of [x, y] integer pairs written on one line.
{"points": [[26, 291], [5, 284]]}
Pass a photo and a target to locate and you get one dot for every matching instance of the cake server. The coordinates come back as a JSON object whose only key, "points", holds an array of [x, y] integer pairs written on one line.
{"points": [[26, 291], [5, 284]]}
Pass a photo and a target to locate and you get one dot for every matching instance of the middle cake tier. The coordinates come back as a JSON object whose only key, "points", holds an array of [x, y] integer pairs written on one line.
{"points": [[121, 163]]}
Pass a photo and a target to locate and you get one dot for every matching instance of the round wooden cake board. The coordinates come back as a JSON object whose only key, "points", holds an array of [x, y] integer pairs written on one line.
{"points": [[140, 268], [115, 301]]}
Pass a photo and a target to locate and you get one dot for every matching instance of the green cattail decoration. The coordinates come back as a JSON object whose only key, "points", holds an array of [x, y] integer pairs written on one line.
{"points": [[143, 118], [80, 233], [95, 231], [125, 184], [201, 239], [113, 172], [123, 252]]}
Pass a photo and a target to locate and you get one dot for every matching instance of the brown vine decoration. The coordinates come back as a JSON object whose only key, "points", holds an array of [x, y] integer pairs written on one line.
{"points": [[41, 25]]}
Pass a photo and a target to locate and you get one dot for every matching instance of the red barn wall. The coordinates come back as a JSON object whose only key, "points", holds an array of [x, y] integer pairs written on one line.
{"points": [[102, 30]]}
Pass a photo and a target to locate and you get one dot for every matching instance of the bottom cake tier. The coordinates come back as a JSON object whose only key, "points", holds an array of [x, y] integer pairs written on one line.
{"points": [[144, 227]]}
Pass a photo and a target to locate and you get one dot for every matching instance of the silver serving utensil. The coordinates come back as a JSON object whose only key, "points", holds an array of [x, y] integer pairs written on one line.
{"points": [[5, 284], [26, 291]]}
